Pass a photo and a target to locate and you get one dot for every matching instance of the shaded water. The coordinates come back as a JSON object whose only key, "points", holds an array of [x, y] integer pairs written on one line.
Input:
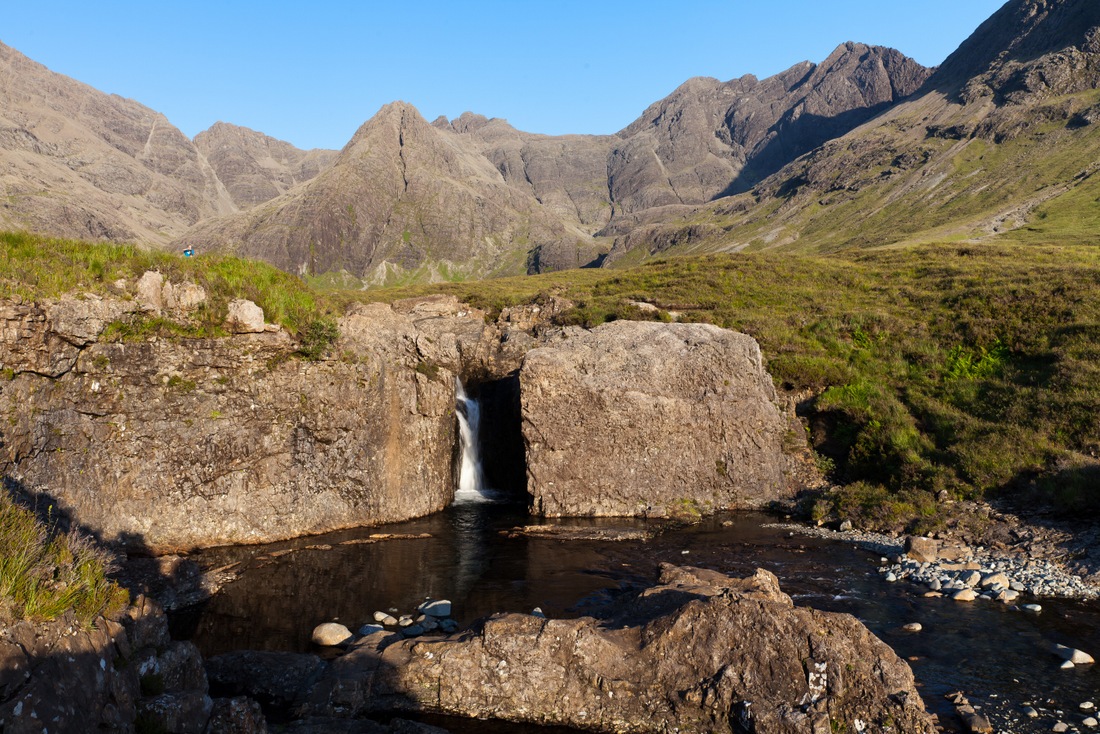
{"points": [[990, 651]]}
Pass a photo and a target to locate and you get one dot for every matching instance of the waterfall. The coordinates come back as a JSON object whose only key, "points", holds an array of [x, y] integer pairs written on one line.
{"points": [[471, 476]]}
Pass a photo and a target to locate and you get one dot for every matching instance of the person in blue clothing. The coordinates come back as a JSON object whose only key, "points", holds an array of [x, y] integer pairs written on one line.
{"points": [[188, 252]]}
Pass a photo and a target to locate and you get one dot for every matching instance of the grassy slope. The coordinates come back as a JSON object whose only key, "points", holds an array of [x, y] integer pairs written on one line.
{"points": [[898, 181]]}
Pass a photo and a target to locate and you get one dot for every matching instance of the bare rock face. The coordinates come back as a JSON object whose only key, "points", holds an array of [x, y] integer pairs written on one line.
{"points": [[699, 651], [643, 418], [166, 445], [254, 167], [1028, 50]]}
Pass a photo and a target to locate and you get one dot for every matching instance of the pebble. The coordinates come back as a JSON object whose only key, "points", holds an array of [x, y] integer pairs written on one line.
{"points": [[913, 627], [964, 595], [1068, 664], [1090, 722], [1032, 608], [1030, 712], [1061, 726], [1087, 706]]}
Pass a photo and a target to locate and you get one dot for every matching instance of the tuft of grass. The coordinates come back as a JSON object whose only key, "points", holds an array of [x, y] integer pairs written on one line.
{"points": [[43, 572]]}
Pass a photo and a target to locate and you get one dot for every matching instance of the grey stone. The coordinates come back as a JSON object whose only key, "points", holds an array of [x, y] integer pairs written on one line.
{"points": [[244, 317], [149, 291], [666, 419], [923, 550]]}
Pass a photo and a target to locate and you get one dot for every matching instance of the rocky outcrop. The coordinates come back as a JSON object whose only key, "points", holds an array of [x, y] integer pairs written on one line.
{"points": [[124, 673], [1028, 50], [163, 445], [699, 651], [653, 419], [168, 444]]}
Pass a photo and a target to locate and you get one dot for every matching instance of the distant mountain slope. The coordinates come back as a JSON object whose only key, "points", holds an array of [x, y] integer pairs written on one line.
{"points": [[709, 139], [993, 142], [76, 162], [487, 199], [402, 200], [254, 167]]}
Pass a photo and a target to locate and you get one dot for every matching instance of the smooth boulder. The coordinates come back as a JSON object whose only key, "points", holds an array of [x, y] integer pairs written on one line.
{"points": [[651, 419]]}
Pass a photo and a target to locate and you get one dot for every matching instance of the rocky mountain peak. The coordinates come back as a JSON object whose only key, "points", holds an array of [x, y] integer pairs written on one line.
{"points": [[1027, 50]]}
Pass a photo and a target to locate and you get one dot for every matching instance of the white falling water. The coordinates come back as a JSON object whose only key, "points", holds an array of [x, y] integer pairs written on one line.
{"points": [[471, 475]]}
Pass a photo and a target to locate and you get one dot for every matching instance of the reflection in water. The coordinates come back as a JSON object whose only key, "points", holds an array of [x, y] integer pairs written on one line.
{"points": [[286, 589]]}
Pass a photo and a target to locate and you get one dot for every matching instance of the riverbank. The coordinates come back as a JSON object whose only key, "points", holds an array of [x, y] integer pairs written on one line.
{"points": [[1040, 558]]}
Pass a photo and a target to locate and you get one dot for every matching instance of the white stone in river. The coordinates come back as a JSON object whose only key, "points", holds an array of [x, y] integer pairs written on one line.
{"points": [[1087, 706], [441, 608], [935, 585], [330, 634], [1077, 657], [1061, 726], [1032, 608], [1031, 712], [891, 577], [913, 627], [379, 616], [1090, 721], [1066, 665], [964, 595]]}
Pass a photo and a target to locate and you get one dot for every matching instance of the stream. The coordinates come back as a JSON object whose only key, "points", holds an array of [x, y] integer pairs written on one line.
{"points": [[998, 656]]}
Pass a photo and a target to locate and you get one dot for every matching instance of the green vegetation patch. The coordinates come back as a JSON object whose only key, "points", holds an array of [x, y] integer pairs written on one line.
{"points": [[37, 267], [44, 573]]}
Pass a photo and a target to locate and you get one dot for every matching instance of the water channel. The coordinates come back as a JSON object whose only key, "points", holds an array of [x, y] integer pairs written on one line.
{"points": [[997, 655]]}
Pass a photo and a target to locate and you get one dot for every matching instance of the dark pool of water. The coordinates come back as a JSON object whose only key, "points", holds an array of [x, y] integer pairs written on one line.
{"points": [[993, 653]]}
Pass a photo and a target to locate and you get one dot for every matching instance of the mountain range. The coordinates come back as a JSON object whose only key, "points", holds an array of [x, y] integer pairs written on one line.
{"points": [[866, 148]]}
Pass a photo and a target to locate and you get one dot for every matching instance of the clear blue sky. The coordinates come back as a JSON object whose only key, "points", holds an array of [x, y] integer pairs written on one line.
{"points": [[312, 73]]}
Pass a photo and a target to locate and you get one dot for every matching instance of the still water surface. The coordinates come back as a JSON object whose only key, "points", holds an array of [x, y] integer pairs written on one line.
{"points": [[996, 655]]}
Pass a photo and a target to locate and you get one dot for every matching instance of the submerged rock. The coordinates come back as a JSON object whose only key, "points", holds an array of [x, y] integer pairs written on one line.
{"points": [[699, 650], [653, 419]]}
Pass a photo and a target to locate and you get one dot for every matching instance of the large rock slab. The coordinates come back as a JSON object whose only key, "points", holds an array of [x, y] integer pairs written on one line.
{"points": [[644, 418], [700, 652], [164, 445]]}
